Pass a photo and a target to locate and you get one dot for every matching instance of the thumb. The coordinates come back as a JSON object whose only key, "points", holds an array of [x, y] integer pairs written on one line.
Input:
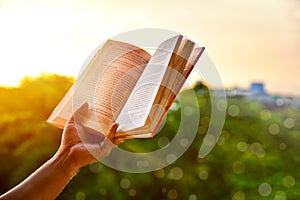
{"points": [[82, 109]]}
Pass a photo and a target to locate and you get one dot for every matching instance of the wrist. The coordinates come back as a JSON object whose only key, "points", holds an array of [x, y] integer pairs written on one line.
{"points": [[64, 161]]}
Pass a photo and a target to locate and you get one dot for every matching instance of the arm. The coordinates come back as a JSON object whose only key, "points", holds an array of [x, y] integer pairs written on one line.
{"points": [[50, 179]]}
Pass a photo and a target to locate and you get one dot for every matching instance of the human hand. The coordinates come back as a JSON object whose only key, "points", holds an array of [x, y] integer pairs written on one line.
{"points": [[83, 146], [77, 149]]}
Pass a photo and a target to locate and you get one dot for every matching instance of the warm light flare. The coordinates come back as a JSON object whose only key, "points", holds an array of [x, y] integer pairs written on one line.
{"points": [[247, 41]]}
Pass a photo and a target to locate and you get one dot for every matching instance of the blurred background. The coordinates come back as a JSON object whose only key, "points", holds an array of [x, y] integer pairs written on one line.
{"points": [[255, 46]]}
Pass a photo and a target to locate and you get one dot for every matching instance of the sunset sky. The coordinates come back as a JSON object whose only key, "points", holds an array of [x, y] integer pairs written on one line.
{"points": [[247, 40]]}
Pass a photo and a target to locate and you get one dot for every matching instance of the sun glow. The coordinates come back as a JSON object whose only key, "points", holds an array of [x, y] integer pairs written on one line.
{"points": [[247, 41]]}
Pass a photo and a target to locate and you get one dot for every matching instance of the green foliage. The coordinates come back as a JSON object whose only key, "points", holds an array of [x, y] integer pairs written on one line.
{"points": [[256, 156], [26, 140]]}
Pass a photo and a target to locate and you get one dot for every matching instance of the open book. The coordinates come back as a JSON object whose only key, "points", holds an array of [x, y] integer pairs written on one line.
{"points": [[124, 83]]}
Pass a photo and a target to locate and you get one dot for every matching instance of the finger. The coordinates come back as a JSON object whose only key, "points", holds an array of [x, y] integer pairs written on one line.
{"points": [[70, 123], [112, 131], [83, 108], [122, 134], [118, 141], [70, 120], [80, 113]]}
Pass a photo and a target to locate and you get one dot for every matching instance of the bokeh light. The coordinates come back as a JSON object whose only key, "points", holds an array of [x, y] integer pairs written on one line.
{"points": [[288, 181], [265, 189]]}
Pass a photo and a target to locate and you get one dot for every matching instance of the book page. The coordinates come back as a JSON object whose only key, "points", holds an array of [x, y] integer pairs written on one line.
{"points": [[196, 53], [189, 58], [167, 90], [85, 86], [59, 116], [115, 86], [174, 86], [174, 71], [185, 62], [137, 108]]}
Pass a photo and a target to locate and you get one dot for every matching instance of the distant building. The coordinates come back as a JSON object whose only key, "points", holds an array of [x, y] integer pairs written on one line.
{"points": [[256, 92], [257, 88]]}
